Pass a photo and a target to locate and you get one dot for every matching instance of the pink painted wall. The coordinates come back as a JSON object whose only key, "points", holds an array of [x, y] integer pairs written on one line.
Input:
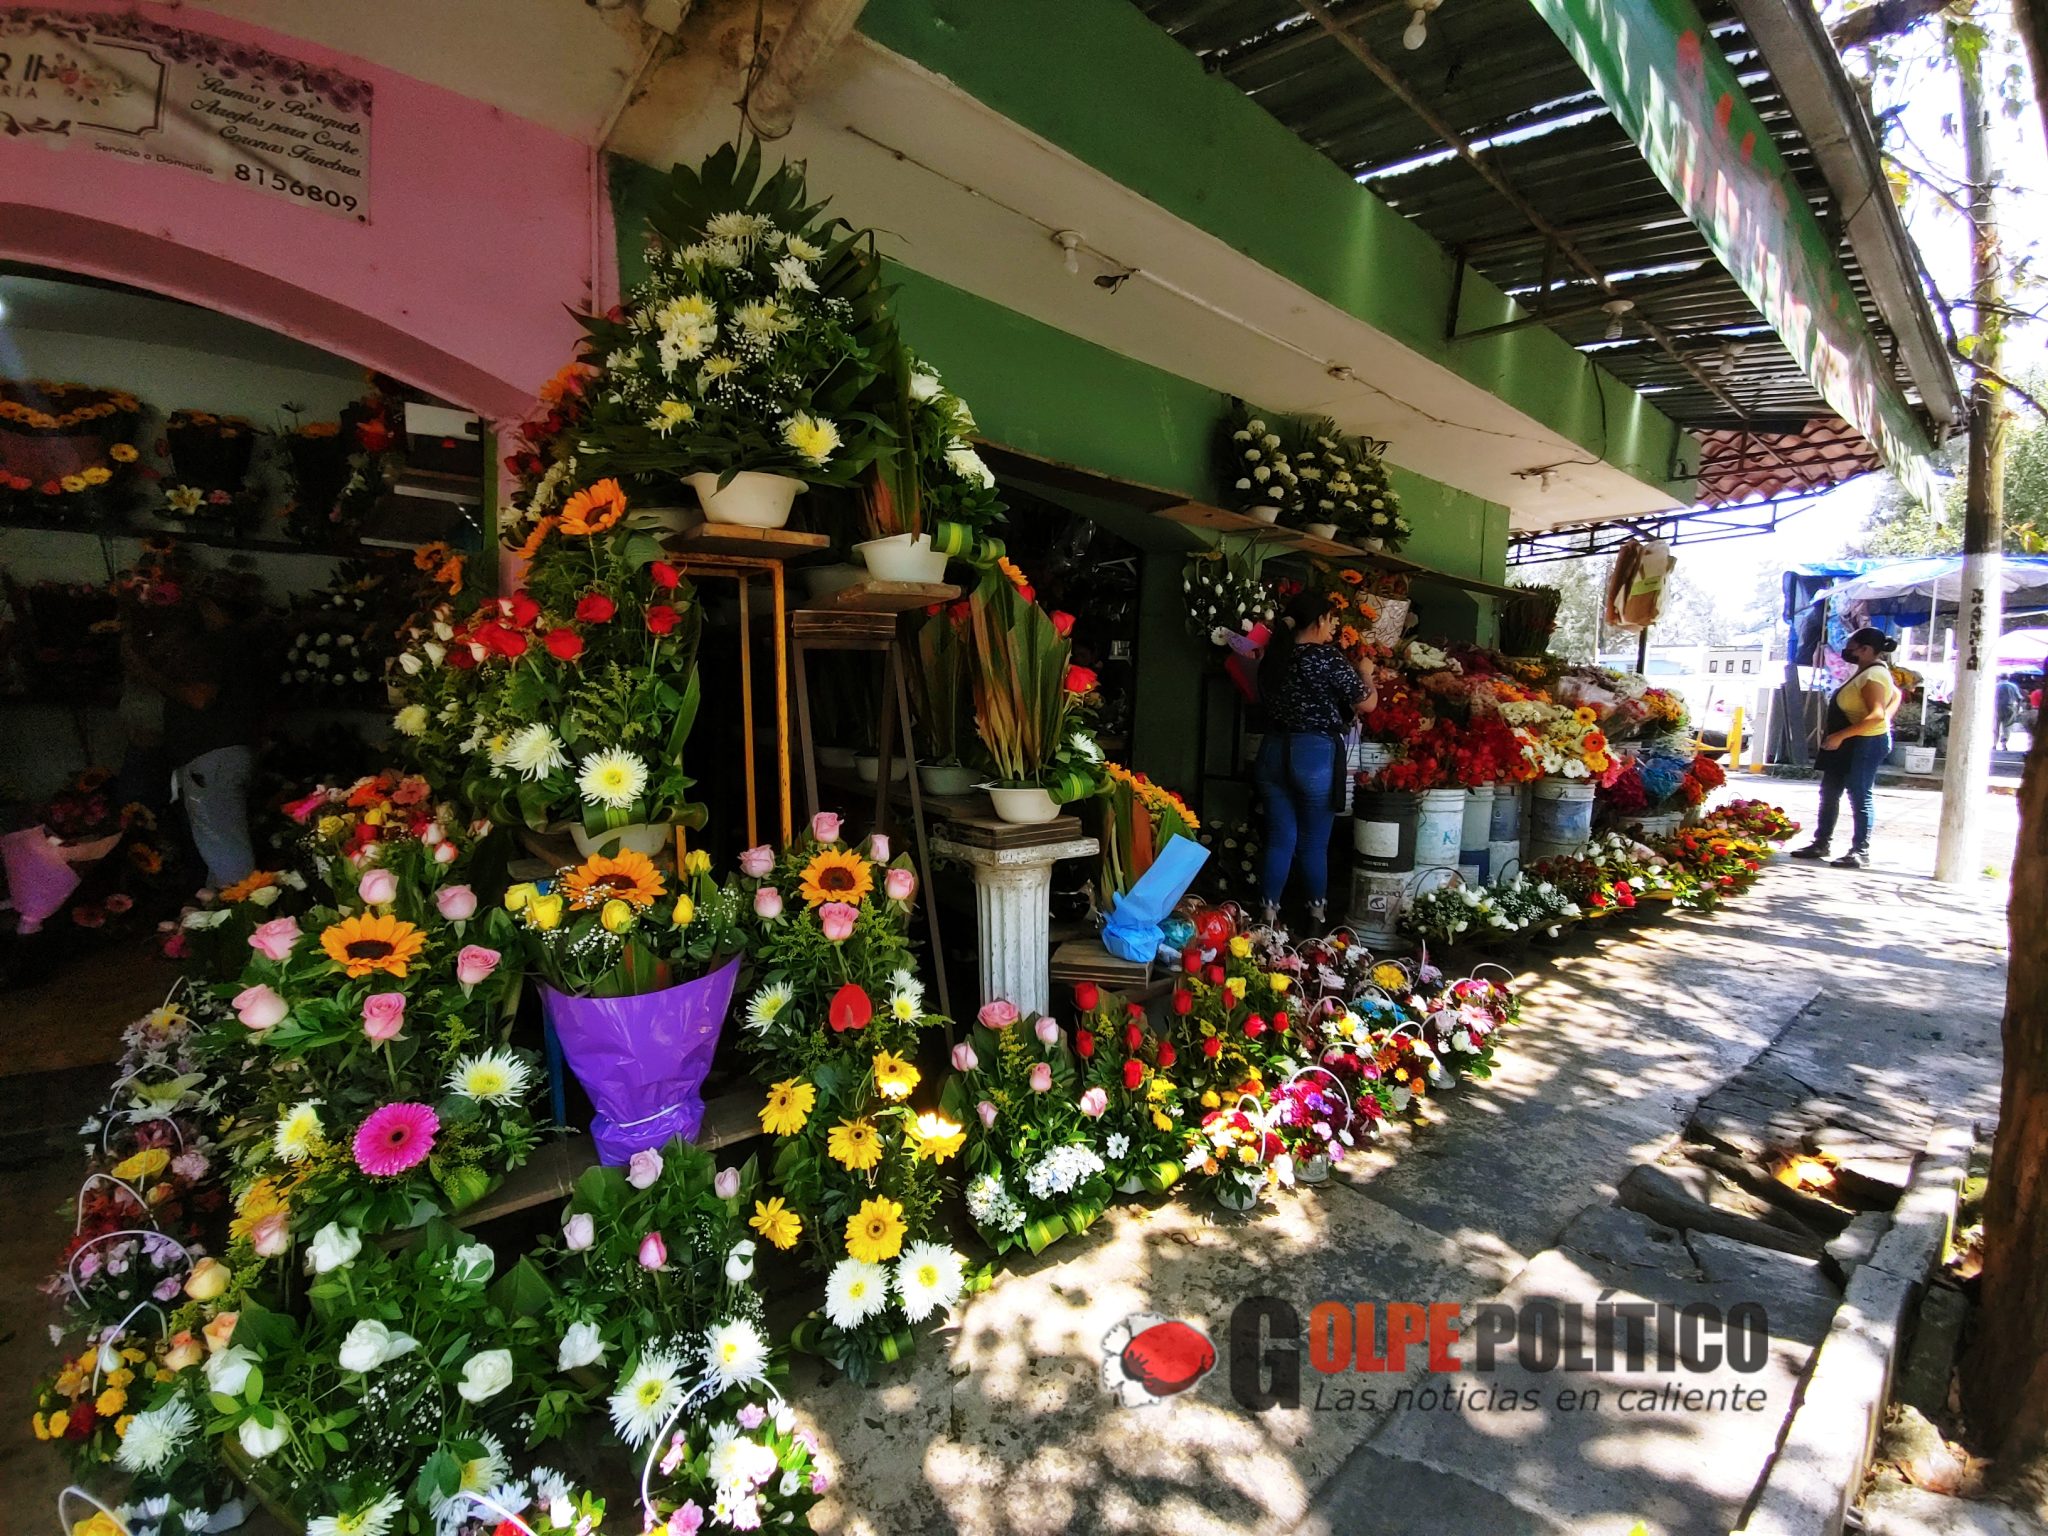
{"points": [[486, 231]]}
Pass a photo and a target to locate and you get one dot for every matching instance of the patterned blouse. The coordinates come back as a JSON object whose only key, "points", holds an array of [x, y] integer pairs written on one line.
{"points": [[1318, 693]]}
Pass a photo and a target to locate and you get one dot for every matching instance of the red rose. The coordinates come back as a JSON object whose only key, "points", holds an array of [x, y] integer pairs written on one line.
{"points": [[564, 644], [664, 574], [661, 618], [1183, 1001], [461, 657], [1029, 594], [1191, 962], [1134, 1036], [1084, 1044], [1215, 974], [524, 609], [1212, 1047], [1087, 996], [596, 608], [1135, 1011], [1134, 1074], [851, 1008], [1063, 623], [1167, 1055], [1254, 1027], [1280, 1023], [1080, 680]]}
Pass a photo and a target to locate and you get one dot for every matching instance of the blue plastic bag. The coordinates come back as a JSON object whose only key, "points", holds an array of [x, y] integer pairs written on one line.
{"points": [[1134, 929]]}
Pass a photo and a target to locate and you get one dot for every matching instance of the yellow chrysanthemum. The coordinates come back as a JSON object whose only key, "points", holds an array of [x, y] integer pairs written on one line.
{"points": [[855, 1145], [894, 1077], [874, 1233], [837, 874], [776, 1222], [789, 1105]]}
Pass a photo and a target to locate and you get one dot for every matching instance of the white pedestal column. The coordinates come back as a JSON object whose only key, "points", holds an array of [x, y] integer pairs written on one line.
{"points": [[1012, 890]]}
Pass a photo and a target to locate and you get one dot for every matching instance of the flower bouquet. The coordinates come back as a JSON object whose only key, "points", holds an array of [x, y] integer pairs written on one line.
{"points": [[1258, 465], [1034, 1134], [929, 495], [316, 458], [1144, 1136], [1754, 819], [1312, 1114], [1030, 701], [1346, 490], [67, 451], [1237, 1155], [210, 458], [939, 694], [637, 986], [1138, 819], [1227, 601]]}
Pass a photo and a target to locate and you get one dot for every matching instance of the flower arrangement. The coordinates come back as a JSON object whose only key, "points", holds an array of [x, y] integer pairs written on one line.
{"points": [[1031, 702], [67, 451], [1258, 466], [939, 692], [611, 927], [1344, 482], [1034, 1165], [1756, 820], [929, 473], [210, 457], [1236, 1155], [1142, 1127], [1455, 913], [1702, 779], [1227, 600], [1139, 818]]}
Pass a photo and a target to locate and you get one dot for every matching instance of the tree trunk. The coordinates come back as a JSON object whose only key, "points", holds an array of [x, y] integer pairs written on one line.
{"points": [[2005, 1375], [2030, 20]]}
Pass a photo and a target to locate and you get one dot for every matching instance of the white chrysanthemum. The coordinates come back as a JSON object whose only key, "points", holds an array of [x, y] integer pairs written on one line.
{"points": [[737, 1463], [411, 720], [854, 1292], [735, 1354], [802, 249], [614, 778], [790, 273], [157, 1436], [491, 1077], [968, 465], [928, 1276], [480, 1474], [298, 1130], [813, 438], [736, 226], [906, 997], [646, 1397], [534, 752], [373, 1519], [766, 1005]]}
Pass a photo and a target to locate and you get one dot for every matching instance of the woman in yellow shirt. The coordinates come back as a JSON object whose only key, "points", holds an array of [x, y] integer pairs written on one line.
{"points": [[1855, 741]]}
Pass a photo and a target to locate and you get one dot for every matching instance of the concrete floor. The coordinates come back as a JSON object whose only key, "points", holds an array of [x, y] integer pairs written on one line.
{"points": [[1002, 1426]]}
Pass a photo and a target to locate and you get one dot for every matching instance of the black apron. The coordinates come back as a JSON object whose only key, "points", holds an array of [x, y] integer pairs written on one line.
{"points": [[1837, 719]]}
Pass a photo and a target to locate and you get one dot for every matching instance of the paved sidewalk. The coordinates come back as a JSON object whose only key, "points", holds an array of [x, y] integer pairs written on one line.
{"points": [[1880, 984]]}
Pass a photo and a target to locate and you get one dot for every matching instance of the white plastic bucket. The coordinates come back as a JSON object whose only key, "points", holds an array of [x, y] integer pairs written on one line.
{"points": [[1504, 832], [1560, 816], [751, 499], [1913, 759], [1439, 828], [903, 557], [1474, 842], [1376, 897], [1661, 825]]}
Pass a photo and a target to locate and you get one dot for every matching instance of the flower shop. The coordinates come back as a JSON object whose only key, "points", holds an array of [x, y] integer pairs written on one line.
{"points": [[554, 1100]]}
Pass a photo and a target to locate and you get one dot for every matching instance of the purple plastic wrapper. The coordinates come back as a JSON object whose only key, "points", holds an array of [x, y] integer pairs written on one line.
{"points": [[643, 1059]]}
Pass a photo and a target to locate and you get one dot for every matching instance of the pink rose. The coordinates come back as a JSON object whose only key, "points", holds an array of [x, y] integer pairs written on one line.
{"points": [[1041, 1078], [1093, 1103], [878, 847], [837, 919], [987, 1111], [653, 1252], [378, 887], [998, 1014], [457, 903], [444, 853], [768, 903], [964, 1059], [642, 1169], [899, 885], [727, 1184], [825, 826], [579, 1232], [474, 963], [259, 1008], [274, 940], [435, 835], [271, 1236], [756, 862], [1048, 1031], [383, 1015]]}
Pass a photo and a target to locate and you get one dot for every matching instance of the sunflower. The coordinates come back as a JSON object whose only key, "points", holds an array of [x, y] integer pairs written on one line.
{"points": [[594, 509], [538, 537], [629, 877], [776, 1222], [248, 886], [789, 1105], [373, 941], [894, 1077], [874, 1233], [855, 1144], [935, 1138], [837, 874]]}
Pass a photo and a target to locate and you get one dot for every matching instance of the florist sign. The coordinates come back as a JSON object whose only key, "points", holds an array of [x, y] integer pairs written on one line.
{"points": [[127, 86]]}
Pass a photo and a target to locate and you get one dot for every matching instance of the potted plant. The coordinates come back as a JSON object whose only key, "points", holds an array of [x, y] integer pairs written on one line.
{"points": [[939, 677], [1259, 466], [930, 475], [740, 363], [1030, 701]]}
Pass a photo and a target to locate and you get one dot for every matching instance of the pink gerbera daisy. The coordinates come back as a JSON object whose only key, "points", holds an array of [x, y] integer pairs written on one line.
{"points": [[396, 1138]]}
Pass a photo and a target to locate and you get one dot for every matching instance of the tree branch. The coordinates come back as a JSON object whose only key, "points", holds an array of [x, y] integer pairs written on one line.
{"points": [[1885, 19]]}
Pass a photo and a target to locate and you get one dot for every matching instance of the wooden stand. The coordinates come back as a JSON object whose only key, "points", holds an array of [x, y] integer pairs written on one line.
{"points": [[850, 626]]}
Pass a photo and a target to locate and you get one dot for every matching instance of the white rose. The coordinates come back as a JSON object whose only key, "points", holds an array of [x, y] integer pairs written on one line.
{"points": [[370, 1344], [924, 386], [581, 1345], [472, 1263], [260, 1442], [485, 1375], [228, 1372], [332, 1247], [265, 896], [739, 1264]]}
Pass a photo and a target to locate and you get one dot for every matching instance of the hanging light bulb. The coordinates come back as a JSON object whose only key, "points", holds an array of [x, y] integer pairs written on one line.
{"points": [[1417, 31], [1070, 242], [1615, 310]]}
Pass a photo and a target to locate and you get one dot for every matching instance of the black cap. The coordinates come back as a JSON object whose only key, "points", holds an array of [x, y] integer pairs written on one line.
{"points": [[1876, 639]]}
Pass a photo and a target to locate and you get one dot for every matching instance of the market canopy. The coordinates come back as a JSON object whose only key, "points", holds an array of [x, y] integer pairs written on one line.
{"points": [[2023, 648], [1908, 588]]}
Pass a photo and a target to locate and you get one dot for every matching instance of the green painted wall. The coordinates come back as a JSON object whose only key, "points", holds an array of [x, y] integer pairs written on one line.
{"points": [[1101, 81]]}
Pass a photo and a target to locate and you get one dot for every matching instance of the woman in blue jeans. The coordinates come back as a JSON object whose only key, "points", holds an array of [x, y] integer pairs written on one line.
{"points": [[1855, 741], [1311, 695]]}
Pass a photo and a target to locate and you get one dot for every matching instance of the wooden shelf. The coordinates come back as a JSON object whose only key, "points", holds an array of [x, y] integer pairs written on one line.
{"points": [[887, 596], [937, 808], [1194, 514], [987, 830], [755, 543]]}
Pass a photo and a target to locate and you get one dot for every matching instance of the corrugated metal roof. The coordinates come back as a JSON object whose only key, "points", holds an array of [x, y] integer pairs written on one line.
{"points": [[1498, 74]]}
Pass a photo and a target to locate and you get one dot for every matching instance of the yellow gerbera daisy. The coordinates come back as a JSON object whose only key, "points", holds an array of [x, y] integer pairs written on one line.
{"points": [[837, 874], [373, 941], [855, 1144], [874, 1233], [776, 1222], [935, 1138], [629, 877], [789, 1105], [266, 1197], [894, 1077]]}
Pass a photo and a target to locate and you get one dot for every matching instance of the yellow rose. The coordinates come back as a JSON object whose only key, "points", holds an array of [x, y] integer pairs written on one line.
{"points": [[545, 912], [696, 862], [220, 1331], [616, 916], [1241, 947], [1278, 982], [208, 1280], [1209, 1099], [686, 912], [520, 896]]}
